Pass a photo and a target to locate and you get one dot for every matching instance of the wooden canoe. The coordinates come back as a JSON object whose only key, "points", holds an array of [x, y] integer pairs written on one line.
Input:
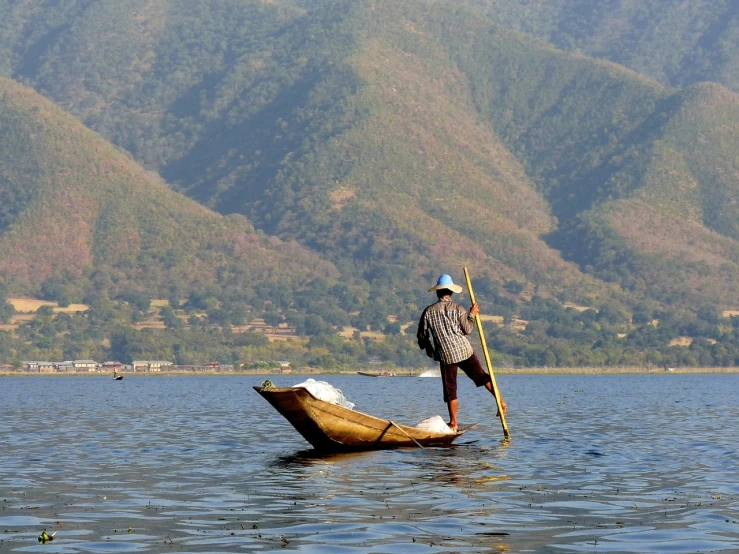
{"points": [[370, 374], [333, 428]]}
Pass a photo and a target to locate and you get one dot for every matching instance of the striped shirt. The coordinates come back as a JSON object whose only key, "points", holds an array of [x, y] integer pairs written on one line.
{"points": [[448, 323]]}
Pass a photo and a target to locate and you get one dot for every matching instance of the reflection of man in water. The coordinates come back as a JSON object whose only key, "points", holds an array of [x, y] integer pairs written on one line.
{"points": [[448, 323]]}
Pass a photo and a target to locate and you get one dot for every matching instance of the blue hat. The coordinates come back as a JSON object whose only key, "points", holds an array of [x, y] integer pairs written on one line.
{"points": [[445, 282]]}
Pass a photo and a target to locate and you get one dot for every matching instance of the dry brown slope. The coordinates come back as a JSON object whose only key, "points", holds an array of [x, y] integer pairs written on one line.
{"points": [[682, 221], [74, 204]]}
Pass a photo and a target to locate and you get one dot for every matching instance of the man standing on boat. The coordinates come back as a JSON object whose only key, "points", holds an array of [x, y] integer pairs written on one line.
{"points": [[448, 324]]}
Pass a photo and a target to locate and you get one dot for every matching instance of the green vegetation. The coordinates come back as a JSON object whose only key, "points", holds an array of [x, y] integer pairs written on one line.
{"points": [[6, 309], [678, 43], [94, 227], [552, 335], [355, 148], [641, 179]]}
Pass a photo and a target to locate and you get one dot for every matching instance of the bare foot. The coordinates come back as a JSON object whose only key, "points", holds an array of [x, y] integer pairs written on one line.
{"points": [[452, 427]]}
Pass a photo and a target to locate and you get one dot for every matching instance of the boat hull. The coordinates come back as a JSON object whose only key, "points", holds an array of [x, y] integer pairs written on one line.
{"points": [[332, 428]]}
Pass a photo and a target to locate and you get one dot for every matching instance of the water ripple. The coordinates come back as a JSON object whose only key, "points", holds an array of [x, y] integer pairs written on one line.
{"points": [[630, 463]]}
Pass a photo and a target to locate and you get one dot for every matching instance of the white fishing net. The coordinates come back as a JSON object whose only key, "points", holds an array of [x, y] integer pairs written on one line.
{"points": [[435, 424], [326, 392]]}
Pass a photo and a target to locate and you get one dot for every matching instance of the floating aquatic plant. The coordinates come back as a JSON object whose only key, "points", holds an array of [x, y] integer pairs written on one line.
{"points": [[44, 537]]}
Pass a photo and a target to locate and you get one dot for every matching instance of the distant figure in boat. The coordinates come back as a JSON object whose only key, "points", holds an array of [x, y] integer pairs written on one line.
{"points": [[117, 377], [448, 323]]}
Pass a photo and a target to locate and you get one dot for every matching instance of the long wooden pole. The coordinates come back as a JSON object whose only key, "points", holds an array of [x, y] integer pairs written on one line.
{"points": [[487, 358], [418, 444]]}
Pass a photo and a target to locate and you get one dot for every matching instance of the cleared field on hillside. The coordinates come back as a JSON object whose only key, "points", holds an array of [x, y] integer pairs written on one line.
{"points": [[29, 305], [348, 333], [497, 319]]}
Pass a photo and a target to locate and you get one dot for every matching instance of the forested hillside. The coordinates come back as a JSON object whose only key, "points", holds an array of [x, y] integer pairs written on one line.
{"points": [[389, 140], [642, 179], [80, 219], [291, 123], [678, 43]]}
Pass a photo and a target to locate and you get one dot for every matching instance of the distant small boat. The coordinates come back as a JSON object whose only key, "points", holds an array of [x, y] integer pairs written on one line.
{"points": [[376, 374], [333, 428], [117, 377], [431, 373]]}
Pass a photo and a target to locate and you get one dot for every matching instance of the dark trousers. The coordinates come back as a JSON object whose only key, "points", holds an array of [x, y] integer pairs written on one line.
{"points": [[472, 368]]}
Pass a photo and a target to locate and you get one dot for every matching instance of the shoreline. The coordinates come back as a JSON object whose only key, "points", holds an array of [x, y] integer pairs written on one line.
{"points": [[397, 372]]}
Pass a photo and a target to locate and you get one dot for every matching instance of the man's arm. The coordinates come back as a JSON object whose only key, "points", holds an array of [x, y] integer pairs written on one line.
{"points": [[423, 336], [467, 320]]}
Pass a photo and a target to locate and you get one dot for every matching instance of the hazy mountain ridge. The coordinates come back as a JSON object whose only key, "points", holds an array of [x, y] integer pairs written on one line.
{"points": [[394, 139], [678, 43], [260, 144], [586, 149], [672, 237], [274, 165], [91, 210]]}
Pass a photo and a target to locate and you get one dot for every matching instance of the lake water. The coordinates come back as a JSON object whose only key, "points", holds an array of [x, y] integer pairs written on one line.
{"points": [[621, 463]]}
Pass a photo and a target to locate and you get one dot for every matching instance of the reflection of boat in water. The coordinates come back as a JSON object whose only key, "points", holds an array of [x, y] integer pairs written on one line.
{"points": [[329, 427], [376, 374], [431, 373]]}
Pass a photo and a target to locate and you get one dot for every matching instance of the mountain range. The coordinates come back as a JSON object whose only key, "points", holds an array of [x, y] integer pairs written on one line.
{"points": [[558, 149], [79, 211]]}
